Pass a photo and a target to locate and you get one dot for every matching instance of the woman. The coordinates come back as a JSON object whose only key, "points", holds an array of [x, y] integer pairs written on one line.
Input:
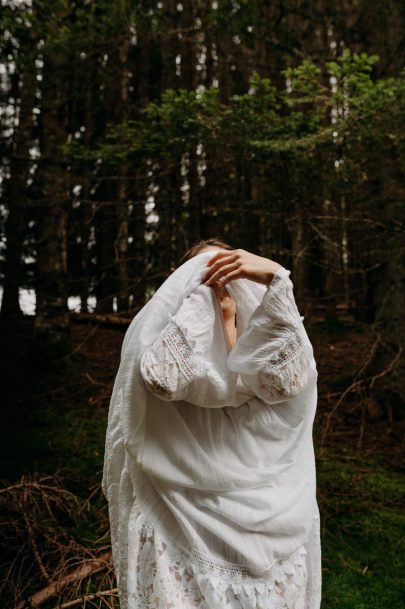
{"points": [[209, 464]]}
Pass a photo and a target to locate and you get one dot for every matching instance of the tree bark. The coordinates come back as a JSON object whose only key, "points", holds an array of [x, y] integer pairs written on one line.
{"points": [[53, 201], [15, 190]]}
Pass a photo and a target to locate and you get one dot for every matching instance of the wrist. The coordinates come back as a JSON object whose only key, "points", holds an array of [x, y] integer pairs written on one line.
{"points": [[275, 268]]}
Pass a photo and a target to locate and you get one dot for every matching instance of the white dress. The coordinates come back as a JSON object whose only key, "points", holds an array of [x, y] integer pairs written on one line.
{"points": [[159, 575]]}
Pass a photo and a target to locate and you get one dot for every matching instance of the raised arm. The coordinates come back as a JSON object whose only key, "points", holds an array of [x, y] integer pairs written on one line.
{"points": [[169, 365], [274, 355], [175, 368]]}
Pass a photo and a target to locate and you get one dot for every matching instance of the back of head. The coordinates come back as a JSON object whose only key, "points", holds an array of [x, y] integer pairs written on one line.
{"points": [[201, 245]]}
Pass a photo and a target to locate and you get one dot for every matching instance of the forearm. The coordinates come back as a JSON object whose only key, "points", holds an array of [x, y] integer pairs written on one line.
{"points": [[274, 353], [168, 366], [179, 365]]}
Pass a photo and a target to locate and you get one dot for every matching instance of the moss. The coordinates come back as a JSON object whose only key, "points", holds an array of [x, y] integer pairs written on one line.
{"points": [[362, 523], [363, 529]]}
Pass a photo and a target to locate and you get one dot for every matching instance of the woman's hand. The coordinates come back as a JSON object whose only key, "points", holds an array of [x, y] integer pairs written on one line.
{"points": [[237, 264]]}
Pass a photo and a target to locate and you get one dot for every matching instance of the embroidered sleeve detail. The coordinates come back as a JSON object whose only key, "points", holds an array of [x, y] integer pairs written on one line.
{"points": [[274, 354], [169, 365], [285, 374], [182, 353], [286, 354]]}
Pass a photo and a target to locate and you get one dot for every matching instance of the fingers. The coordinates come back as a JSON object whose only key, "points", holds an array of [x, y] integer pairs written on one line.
{"points": [[236, 264], [221, 273], [221, 259], [237, 274], [220, 255]]}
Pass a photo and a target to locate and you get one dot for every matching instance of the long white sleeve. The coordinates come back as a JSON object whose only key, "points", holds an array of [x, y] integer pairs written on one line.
{"points": [[176, 366], [274, 353], [169, 365]]}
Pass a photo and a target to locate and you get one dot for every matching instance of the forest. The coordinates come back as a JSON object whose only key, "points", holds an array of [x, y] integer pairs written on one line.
{"points": [[130, 130]]}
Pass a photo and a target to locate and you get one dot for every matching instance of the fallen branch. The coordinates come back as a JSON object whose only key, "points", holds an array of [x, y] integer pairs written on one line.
{"points": [[37, 486], [90, 567], [88, 597]]}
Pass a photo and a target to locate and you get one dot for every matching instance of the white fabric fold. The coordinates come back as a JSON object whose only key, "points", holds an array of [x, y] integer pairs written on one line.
{"points": [[233, 478]]}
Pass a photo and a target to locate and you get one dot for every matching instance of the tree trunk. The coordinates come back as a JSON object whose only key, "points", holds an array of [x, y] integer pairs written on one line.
{"points": [[387, 282], [188, 51], [15, 190], [300, 239], [52, 206], [105, 235], [121, 239]]}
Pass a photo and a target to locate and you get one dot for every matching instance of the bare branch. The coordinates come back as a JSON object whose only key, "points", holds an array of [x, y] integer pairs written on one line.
{"points": [[88, 597], [89, 567]]}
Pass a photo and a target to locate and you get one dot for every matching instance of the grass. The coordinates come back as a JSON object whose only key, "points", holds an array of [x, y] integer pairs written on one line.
{"points": [[362, 533]]}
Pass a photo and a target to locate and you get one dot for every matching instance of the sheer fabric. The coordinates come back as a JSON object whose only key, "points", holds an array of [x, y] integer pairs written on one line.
{"points": [[209, 465]]}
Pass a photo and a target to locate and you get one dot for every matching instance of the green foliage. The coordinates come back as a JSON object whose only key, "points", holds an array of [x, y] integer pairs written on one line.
{"points": [[303, 85], [261, 124], [352, 72]]}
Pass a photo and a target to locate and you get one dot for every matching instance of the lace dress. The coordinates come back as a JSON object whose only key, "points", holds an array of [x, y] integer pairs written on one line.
{"points": [[161, 577]]}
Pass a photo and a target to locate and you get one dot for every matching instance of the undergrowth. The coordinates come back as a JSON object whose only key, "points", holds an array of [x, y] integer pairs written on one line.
{"points": [[56, 439]]}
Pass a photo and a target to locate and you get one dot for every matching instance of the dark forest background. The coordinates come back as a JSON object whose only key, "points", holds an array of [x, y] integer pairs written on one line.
{"points": [[129, 131]]}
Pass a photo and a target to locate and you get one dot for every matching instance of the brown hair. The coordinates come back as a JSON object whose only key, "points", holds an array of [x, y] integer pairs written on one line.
{"points": [[197, 247]]}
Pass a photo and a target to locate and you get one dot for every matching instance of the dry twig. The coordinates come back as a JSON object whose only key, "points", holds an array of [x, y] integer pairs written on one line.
{"points": [[88, 597], [38, 544], [356, 386], [89, 567]]}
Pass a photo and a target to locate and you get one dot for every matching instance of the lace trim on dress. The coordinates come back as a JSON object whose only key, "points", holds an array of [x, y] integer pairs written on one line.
{"points": [[286, 373], [229, 571], [180, 349], [163, 577], [169, 365], [286, 354]]}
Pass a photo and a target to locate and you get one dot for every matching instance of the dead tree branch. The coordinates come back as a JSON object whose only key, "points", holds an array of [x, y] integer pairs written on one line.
{"points": [[88, 597], [89, 567]]}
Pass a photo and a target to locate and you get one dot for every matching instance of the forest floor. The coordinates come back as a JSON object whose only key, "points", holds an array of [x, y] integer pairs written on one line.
{"points": [[55, 518]]}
